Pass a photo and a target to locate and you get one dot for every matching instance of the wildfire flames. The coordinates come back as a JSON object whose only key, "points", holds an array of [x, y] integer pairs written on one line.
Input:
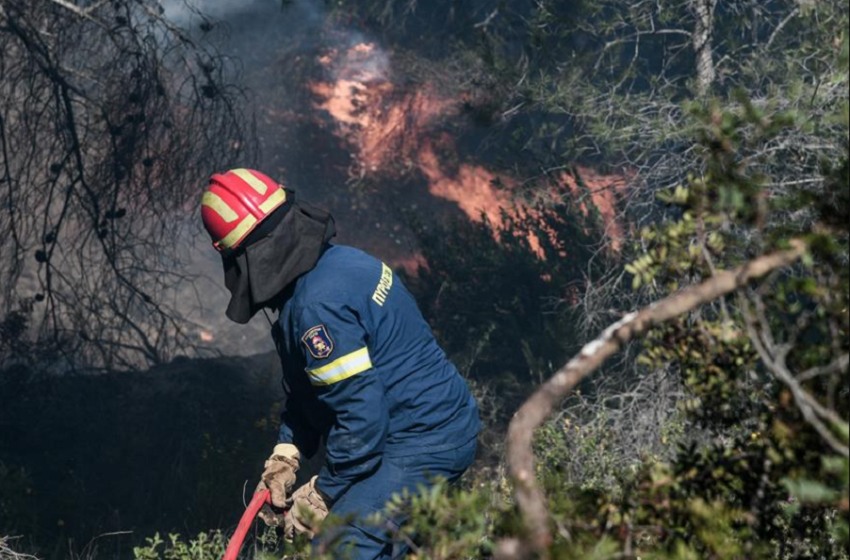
{"points": [[603, 191], [473, 188], [395, 130], [385, 126]]}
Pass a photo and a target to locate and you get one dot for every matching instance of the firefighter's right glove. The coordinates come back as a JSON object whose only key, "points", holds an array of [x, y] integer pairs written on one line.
{"points": [[279, 478]]}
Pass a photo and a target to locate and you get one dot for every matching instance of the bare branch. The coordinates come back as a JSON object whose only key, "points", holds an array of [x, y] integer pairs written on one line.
{"points": [[6, 552], [838, 366], [773, 359], [779, 28], [94, 179], [85, 14]]}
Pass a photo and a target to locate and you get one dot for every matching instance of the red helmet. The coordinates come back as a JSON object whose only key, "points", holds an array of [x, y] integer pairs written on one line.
{"points": [[235, 203]]}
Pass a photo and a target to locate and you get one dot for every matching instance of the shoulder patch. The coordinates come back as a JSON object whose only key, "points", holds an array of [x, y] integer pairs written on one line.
{"points": [[319, 342]]}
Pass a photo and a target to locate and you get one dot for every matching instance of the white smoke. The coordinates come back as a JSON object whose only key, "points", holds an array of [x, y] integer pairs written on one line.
{"points": [[287, 21], [183, 12]]}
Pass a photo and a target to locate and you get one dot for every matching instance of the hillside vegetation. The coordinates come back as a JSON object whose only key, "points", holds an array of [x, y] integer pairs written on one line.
{"points": [[662, 369]]}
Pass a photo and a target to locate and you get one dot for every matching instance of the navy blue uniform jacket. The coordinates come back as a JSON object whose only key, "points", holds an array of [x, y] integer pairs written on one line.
{"points": [[363, 372]]}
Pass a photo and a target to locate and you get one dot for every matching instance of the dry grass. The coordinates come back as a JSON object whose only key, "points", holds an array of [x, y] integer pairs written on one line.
{"points": [[7, 553]]}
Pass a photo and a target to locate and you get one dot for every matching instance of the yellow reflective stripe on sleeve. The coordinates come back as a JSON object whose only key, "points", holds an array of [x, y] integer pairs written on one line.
{"points": [[342, 369], [276, 199], [214, 202], [238, 232], [251, 179]]}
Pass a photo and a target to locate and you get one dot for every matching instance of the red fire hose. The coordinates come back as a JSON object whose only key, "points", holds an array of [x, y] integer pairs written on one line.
{"points": [[260, 499]]}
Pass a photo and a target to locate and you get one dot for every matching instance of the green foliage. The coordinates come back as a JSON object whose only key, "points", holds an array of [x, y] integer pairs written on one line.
{"points": [[722, 497], [451, 524], [729, 191], [811, 492], [816, 494], [206, 546]]}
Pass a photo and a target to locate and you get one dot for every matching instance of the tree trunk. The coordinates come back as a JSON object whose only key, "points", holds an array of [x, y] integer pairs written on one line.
{"points": [[704, 11]]}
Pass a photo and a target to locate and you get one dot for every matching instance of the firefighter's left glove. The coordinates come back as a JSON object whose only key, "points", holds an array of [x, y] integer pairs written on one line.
{"points": [[279, 478], [309, 509]]}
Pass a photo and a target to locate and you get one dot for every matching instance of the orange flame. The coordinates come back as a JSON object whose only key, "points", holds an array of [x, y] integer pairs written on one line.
{"points": [[392, 132], [602, 192], [384, 125], [473, 188]]}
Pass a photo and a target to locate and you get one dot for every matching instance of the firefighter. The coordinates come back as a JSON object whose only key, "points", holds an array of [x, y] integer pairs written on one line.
{"points": [[362, 371]]}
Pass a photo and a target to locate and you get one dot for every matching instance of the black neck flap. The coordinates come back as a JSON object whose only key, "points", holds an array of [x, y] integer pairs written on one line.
{"points": [[287, 245]]}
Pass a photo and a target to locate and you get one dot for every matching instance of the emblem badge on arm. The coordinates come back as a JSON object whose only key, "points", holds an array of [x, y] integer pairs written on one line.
{"points": [[318, 342]]}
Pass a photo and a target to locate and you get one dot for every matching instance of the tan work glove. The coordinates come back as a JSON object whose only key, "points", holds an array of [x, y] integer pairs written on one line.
{"points": [[279, 478], [307, 513]]}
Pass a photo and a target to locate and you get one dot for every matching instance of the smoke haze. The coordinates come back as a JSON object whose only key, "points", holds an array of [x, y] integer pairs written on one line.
{"points": [[185, 12]]}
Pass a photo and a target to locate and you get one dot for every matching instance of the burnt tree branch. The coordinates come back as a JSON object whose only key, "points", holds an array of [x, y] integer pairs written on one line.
{"points": [[529, 496], [93, 179]]}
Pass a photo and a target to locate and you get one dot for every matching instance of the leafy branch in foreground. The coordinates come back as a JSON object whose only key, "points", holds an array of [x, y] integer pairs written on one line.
{"points": [[767, 375], [537, 409]]}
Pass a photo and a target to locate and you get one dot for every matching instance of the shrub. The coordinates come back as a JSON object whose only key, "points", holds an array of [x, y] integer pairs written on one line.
{"points": [[206, 546]]}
